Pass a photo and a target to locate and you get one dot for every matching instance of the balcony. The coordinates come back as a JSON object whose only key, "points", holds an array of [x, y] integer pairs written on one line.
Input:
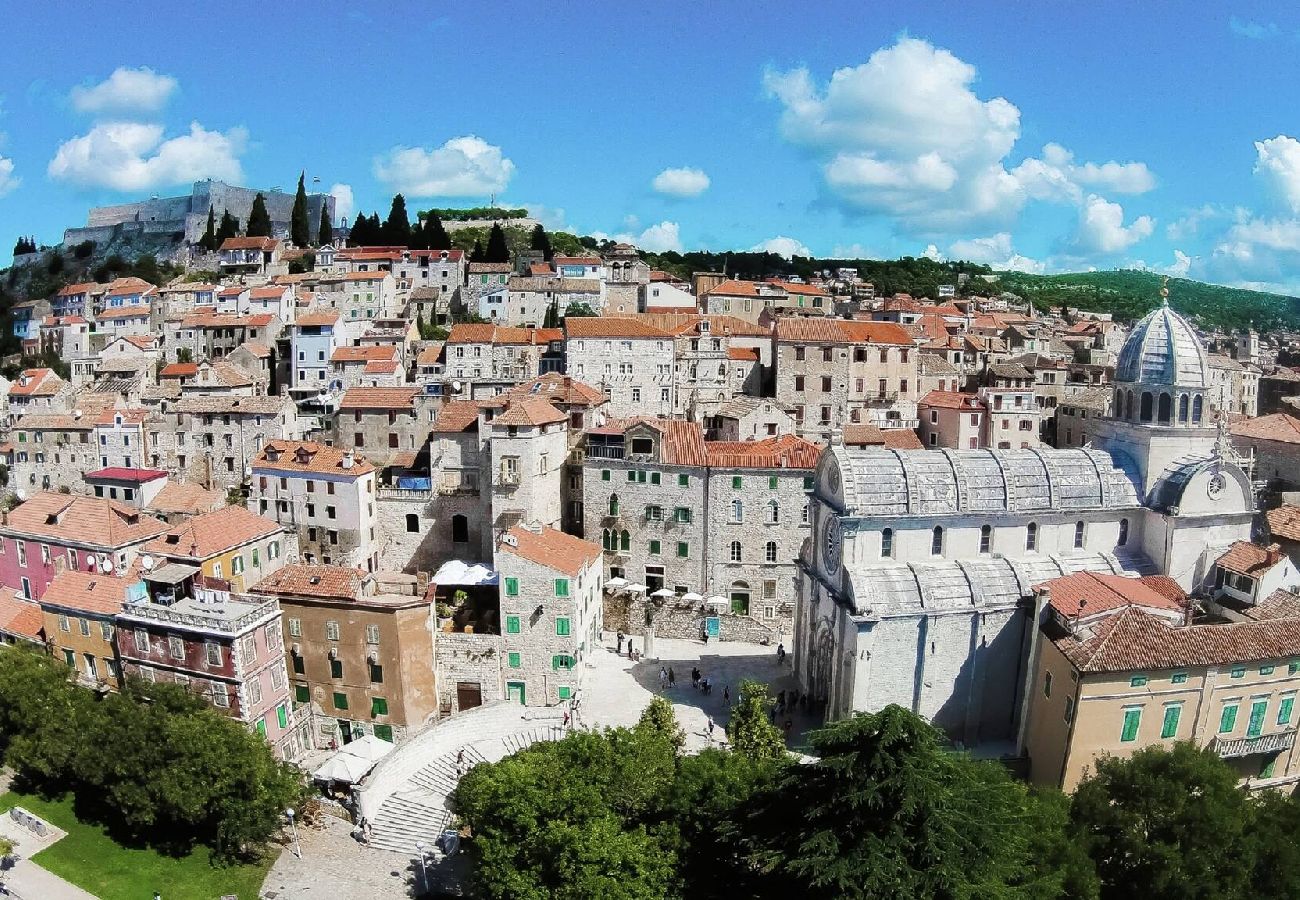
{"points": [[508, 478], [1275, 742], [396, 493], [596, 451]]}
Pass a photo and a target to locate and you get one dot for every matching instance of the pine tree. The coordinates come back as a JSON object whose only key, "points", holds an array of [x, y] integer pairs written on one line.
{"points": [[437, 235], [259, 220], [299, 223], [552, 318], [326, 234], [497, 250], [541, 241], [476, 255], [229, 227], [209, 240], [397, 229]]}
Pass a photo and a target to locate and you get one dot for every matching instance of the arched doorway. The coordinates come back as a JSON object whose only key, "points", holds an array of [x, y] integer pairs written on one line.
{"points": [[740, 598]]}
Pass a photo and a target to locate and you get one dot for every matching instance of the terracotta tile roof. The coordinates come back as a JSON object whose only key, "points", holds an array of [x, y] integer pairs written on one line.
{"points": [[122, 473], [430, 355], [308, 457], [742, 354], [436, 255], [87, 592], [209, 534], [1163, 584], [553, 549], [364, 354], [1246, 558], [121, 287], [71, 290], [611, 327], [733, 287], [269, 293], [1102, 593], [531, 411], [39, 383], [1284, 522], [578, 261], [21, 618], [785, 452], [62, 321], [365, 276], [144, 342], [679, 323], [951, 400], [864, 434], [379, 397], [247, 406], [124, 312], [265, 244], [186, 497], [1137, 640], [317, 317], [901, 303], [89, 521], [792, 287], [129, 416], [233, 291], [682, 442], [474, 333], [934, 364], [54, 422], [456, 416], [560, 390], [257, 348], [540, 269], [380, 367], [334, 582], [1275, 427], [489, 268], [800, 330], [901, 439], [1280, 604]]}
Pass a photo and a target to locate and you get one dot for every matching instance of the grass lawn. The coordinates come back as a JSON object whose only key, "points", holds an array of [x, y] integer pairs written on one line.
{"points": [[90, 859]]}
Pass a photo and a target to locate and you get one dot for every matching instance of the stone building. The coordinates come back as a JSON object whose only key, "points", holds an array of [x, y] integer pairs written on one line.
{"points": [[1075, 413], [482, 279], [951, 420], [529, 298], [551, 613], [384, 423], [325, 495], [51, 451], [915, 584], [1012, 416], [629, 359], [359, 649], [212, 440], [231, 548], [1273, 444], [488, 359], [80, 612]]}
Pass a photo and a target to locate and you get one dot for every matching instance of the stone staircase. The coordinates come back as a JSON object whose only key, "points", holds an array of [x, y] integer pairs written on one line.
{"points": [[417, 813]]}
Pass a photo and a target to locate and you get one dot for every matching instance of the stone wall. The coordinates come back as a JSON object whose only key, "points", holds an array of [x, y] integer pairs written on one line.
{"points": [[400, 549], [681, 621], [472, 658]]}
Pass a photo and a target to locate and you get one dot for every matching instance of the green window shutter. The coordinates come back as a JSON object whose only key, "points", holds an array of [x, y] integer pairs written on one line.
{"points": [[640, 476], [1293, 667], [1284, 710], [378, 706], [301, 693], [1137, 681], [512, 624], [1170, 726], [604, 474], [631, 474], [1238, 671], [512, 587], [771, 482], [1266, 670], [1266, 768], [1132, 719], [1228, 719], [562, 626], [807, 482], [683, 481], [1179, 678], [683, 549], [561, 587], [261, 726], [737, 482], [282, 717], [257, 561], [340, 700], [1255, 725], [514, 660], [384, 732], [336, 668], [655, 548], [565, 693], [654, 478]]}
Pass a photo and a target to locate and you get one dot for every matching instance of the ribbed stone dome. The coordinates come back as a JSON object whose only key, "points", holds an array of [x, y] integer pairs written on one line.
{"points": [[1163, 350]]}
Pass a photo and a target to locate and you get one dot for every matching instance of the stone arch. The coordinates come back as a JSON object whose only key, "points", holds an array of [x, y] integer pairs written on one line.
{"points": [[1182, 409], [1165, 409], [1147, 402]]}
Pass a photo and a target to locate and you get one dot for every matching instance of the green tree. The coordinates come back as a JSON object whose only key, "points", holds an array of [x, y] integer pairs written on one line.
{"points": [[435, 234], [552, 318], [229, 227], [497, 251], [325, 235], [476, 255], [299, 223], [658, 717], [885, 812], [259, 220], [578, 311], [1277, 853], [540, 241], [209, 240], [1165, 825], [749, 729], [397, 228], [184, 355]]}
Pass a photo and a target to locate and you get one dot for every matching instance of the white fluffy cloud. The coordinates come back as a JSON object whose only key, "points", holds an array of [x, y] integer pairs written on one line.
{"points": [[1102, 230], [1277, 161], [782, 246], [905, 134], [462, 167], [660, 238], [684, 182], [344, 202], [126, 90], [8, 180], [133, 156], [995, 250]]}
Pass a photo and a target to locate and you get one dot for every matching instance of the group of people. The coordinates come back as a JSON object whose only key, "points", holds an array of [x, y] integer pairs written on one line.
{"points": [[632, 654]]}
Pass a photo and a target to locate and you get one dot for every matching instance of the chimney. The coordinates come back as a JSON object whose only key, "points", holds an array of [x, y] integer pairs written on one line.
{"points": [[349, 459]]}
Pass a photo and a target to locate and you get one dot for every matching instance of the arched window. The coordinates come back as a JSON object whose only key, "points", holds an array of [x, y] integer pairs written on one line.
{"points": [[613, 504], [1182, 409], [1166, 409], [737, 510], [624, 540], [986, 538], [606, 539], [1078, 535], [736, 554], [887, 543], [459, 530], [1146, 406], [1197, 404], [1031, 536], [936, 541], [1123, 528], [769, 552], [1128, 403], [773, 512]]}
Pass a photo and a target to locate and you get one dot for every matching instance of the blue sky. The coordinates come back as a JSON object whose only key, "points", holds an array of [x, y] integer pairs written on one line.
{"points": [[1043, 136]]}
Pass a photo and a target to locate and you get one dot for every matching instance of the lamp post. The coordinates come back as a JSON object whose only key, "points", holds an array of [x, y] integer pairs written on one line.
{"points": [[297, 847], [424, 871]]}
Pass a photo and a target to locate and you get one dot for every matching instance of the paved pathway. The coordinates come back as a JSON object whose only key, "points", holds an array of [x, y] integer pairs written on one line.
{"points": [[335, 866], [30, 882]]}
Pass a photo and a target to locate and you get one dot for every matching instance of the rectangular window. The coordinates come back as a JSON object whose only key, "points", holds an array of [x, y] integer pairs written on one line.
{"points": [[604, 474], [376, 673], [1069, 709], [561, 587], [141, 640], [514, 660], [1258, 709], [1284, 710], [656, 548], [562, 626], [1228, 718], [64, 624], [281, 716], [1179, 678], [372, 634], [1169, 728], [1137, 681], [512, 587], [1047, 685], [340, 700], [299, 666], [331, 631], [1132, 721], [512, 624], [1238, 671], [683, 515], [737, 483], [564, 693], [378, 706], [301, 693], [683, 481], [1266, 670], [336, 668], [683, 550]]}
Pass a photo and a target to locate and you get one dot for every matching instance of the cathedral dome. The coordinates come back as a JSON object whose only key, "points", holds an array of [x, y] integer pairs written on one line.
{"points": [[1163, 350]]}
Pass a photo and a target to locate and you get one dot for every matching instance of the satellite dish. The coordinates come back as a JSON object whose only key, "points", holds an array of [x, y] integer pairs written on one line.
{"points": [[146, 562], [455, 386], [105, 565]]}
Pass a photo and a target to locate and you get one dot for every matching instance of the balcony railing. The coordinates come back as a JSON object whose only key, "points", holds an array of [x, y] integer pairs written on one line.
{"points": [[1274, 742], [396, 493], [596, 451], [214, 622]]}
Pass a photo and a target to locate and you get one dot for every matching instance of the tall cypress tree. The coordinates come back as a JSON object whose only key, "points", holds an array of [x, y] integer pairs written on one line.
{"points": [[209, 240], [326, 234], [229, 227], [497, 251], [259, 220], [541, 241], [476, 255], [397, 228], [299, 223], [437, 235]]}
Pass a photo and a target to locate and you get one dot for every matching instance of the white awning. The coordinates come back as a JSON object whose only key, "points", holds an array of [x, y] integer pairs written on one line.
{"points": [[635, 588], [692, 597], [718, 602], [354, 760], [614, 584], [457, 573], [663, 592]]}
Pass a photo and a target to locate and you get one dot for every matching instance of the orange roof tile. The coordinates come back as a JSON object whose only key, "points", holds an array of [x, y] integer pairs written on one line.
{"points": [[265, 244], [1284, 522], [21, 618], [269, 293], [430, 355], [206, 535], [610, 327], [364, 354], [1103, 593], [124, 312], [800, 330], [1275, 427], [742, 354], [1246, 558], [456, 416], [734, 287], [71, 290], [379, 397], [317, 317], [87, 521], [334, 582], [864, 434], [478, 333], [785, 452], [86, 592], [179, 370], [380, 367], [553, 549], [531, 411], [310, 457], [186, 497], [39, 383], [951, 400]]}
